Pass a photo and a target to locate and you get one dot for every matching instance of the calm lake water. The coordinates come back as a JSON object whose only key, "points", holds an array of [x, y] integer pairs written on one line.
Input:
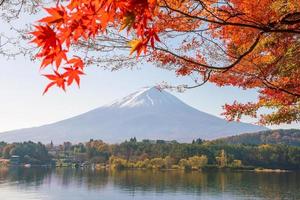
{"points": [[72, 184]]}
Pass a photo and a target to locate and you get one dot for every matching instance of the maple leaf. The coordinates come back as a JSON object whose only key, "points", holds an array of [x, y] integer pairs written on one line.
{"points": [[51, 56], [45, 37], [136, 45], [151, 35], [76, 62], [47, 61], [183, 71], [61, 55], [56, 79], [127, 21], [72, 74], [58, 15]]}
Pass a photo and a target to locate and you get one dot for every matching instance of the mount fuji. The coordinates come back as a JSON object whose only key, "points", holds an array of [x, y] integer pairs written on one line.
{"points": [[146, 114]]}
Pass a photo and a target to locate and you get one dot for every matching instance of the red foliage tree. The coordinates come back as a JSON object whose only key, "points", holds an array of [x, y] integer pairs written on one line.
{"points": [[247, 44]]}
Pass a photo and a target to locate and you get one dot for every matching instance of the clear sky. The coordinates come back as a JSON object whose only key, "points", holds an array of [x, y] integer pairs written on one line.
{"points": [[23, 105]]}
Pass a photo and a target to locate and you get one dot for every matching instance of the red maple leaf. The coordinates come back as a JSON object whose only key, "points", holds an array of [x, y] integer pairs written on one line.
{"points": [[56, 79], [45, 37], [57, 15], [72, 74], [76, 62]]}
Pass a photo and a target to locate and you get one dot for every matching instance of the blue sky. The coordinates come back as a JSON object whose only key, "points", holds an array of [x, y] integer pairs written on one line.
{"points": [[23, 105]]}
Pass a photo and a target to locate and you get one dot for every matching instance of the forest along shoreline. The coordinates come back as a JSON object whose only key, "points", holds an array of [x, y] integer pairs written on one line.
{"points": [[153, 154]]}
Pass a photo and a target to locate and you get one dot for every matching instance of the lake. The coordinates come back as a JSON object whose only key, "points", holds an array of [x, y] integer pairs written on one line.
{"points": [[75, 184]]}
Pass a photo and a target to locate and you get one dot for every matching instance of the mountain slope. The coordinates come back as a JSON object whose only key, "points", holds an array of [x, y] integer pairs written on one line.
{"points": [[281, 136], [148, 113]]}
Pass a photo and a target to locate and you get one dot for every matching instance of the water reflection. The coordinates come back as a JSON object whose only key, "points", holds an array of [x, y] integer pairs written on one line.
{"points": [[79, 184], [24, 176]]}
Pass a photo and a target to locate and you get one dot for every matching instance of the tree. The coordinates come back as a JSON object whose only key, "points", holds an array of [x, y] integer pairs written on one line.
{"points": [[29, 152], [117, 163], [133, 140], [197, 141], [158, 163], [185, 164], [197, 162], [2, 145], [222, 159], [67, 146], [169, 161], [7, 149], [236, 163], [247, 44], [99, 149]]}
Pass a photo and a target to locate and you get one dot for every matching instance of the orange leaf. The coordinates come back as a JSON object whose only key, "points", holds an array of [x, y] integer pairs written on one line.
{"points": [[136, 45]]}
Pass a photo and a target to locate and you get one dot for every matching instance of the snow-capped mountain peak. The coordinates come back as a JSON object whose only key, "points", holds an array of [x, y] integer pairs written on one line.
{"points": [[148, 96], [146, 114]]}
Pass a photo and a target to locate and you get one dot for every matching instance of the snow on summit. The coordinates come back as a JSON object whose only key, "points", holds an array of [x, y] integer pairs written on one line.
{"points": [[146, 114], [148, 96]]}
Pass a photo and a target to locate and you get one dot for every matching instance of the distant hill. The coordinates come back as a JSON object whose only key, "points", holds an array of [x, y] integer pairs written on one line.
{"points": [[281, 136], [145, 114]]}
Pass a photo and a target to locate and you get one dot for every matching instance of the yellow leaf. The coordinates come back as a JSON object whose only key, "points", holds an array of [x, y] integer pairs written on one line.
{"points": [[135, 45]]}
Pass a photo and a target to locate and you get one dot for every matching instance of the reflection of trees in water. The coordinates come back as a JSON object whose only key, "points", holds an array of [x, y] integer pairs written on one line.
{"points": [[24, 176], [82, 177], [264, 185], [3, 174], [275, 185], [159, 181], [278, 185]]}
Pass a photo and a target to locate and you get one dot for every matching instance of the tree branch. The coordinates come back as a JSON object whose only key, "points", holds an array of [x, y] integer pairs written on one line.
{"points": [[265, 28], [226, 68]]}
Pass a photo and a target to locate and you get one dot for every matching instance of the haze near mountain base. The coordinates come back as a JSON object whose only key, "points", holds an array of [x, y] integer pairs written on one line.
{"points": [[146, 114]]}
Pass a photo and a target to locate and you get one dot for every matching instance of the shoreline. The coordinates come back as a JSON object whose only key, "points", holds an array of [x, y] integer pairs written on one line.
{"points": [[205, 169]]}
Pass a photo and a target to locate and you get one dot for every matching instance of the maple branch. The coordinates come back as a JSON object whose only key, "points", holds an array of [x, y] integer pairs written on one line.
{"points": [[217, 45], [274, 87], [266, 82], [265, 28], [210, 12], [21, 6], [179, 88], [291, 18], [1, 3], [206, 79], [226, 68], [270, 85]]}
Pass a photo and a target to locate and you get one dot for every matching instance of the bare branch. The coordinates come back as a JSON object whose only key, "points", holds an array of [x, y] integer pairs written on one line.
{"points": [[225, 68]]}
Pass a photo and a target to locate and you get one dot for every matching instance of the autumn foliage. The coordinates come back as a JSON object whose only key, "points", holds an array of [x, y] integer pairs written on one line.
{"points": [[66, 25], [248, 44]]}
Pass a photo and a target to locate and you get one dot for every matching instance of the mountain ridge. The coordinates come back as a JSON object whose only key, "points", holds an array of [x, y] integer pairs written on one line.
{"points": [[289, 137], [149, 113]]}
